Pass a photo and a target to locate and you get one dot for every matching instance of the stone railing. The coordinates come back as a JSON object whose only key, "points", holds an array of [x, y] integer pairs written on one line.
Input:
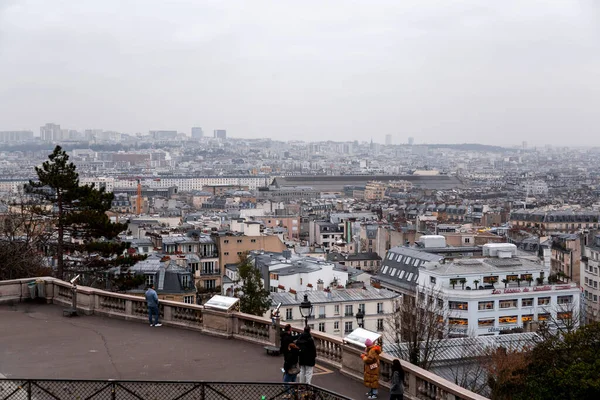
{"points": [[331, 350]]}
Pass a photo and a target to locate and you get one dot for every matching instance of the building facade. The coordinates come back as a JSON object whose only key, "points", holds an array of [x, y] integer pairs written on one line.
{"points": [[590, 280], [334, 311], [483, 296]]}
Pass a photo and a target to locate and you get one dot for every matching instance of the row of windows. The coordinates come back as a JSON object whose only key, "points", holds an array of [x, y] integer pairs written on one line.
{"points": [[320, 312], [510, 319], [401, 274], [348, 326], [590, 296], [226, 241], [510, 303], [591, 268], [402, 259], [591, 282]]}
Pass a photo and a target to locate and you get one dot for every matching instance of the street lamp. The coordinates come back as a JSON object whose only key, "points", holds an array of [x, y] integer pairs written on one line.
{"points": [[306, 309], [360, 318]]}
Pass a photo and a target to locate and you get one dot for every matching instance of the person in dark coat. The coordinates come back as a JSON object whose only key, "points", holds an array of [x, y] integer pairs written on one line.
{"points": [[286, 338], [290, 365], [308, 355], [397, 389]]}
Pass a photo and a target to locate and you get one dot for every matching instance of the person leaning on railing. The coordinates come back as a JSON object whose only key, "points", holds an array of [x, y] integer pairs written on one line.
{"points": [[371, 360]]}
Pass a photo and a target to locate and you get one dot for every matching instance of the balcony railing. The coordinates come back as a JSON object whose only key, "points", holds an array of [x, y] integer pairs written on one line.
{"points": [[30, 389], [331, 350], [215, 271]]}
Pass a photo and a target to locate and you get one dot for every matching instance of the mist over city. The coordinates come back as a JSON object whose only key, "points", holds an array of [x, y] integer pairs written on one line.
{"points": [[299, 200], [494, 73]]}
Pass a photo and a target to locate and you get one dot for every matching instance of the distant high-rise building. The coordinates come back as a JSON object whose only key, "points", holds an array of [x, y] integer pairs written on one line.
{"points": [[411, 140], [388, 140], [197, 133], [50, 133], [16, 136], [163, 135], [220, 134], [524, 145]]}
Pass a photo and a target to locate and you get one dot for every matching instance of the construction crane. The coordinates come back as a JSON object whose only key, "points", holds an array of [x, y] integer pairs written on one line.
{"points": [[138, 200]]}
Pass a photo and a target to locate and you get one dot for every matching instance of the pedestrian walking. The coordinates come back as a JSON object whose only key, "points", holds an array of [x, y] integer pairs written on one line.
{"points": [[397, 389], [308, 355], [152, 301], [371, 360]]}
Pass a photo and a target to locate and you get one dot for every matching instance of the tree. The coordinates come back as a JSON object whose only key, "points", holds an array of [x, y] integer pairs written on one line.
{"points": [[78, 212], [22, 238], [416, 324], [565, 367], [254, 298], [505, 368]]}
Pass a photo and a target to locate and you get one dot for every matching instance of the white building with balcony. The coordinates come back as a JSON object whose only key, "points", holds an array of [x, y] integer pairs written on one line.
{"points": [[334, 311], [483, 296]]}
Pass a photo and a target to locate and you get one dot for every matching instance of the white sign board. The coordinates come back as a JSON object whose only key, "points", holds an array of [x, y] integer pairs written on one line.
{"points": [[359, 336], [223, 303]]}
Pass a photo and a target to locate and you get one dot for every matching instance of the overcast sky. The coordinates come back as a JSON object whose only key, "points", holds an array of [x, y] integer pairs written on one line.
{"points": [[493, 72]]}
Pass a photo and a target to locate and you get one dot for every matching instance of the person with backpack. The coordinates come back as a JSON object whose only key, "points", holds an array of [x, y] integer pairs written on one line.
{"points": [[308, 355], [397, 389]]}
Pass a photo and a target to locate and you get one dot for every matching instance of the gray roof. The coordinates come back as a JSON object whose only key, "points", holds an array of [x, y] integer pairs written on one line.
{"points": [[337, 183], [458, 349], [336, 295]]}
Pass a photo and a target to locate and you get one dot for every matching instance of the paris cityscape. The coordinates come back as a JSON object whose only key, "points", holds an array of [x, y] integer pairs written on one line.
{"points": [[280, 201]]}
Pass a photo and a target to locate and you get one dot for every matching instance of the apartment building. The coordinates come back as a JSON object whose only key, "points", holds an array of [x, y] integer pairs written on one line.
{"points": [[484, 296], [196, 252], [171, 280], [590, 280], [325, 233], [566, 256], [231, 247], [334, 310], [552, 222]]}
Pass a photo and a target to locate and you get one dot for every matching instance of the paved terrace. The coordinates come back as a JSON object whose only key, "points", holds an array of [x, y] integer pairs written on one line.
{"points": [[112, 339], [38, 342]]}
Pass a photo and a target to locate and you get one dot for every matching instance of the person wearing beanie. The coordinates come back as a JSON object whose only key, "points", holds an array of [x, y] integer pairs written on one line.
{"points": [[371, 361]]}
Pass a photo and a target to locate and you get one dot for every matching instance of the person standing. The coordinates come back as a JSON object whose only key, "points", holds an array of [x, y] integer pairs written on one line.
{"points": [[152, 301], [286, 338], [397, 389], [308, 355], [290, 366], [371, 360]]}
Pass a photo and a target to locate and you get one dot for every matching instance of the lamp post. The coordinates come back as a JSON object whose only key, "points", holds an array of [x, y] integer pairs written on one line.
{"points": [[306, 309], [360, 318]]}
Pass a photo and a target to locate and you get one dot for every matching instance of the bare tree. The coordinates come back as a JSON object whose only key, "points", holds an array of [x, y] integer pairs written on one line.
{"points": [[417, 323], [23, 236], [559, 319], [470, 372]]}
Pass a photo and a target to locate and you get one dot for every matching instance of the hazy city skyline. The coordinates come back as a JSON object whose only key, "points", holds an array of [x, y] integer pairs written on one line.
{"points": [[493, 73]]}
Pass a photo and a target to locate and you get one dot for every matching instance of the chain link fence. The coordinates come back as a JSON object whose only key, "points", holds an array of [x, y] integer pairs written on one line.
{"points": [[33, 389]]}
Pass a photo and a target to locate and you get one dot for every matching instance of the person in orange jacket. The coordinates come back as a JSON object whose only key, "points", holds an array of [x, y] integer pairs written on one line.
{"points": [[371, 360]]}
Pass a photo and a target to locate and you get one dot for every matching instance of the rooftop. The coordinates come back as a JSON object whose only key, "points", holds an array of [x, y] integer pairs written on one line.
{"points": [[336, 295], [38, 342]]}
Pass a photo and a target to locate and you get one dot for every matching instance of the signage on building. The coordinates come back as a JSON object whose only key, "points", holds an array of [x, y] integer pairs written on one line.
{"points": [[527, 289]]}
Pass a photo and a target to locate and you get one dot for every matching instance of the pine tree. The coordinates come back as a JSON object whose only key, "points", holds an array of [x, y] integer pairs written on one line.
{"points": [[254, 298], [79, 212]]}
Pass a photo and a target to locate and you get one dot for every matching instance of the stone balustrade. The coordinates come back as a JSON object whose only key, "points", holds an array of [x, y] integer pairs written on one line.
{"points": [[331, 350]]}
